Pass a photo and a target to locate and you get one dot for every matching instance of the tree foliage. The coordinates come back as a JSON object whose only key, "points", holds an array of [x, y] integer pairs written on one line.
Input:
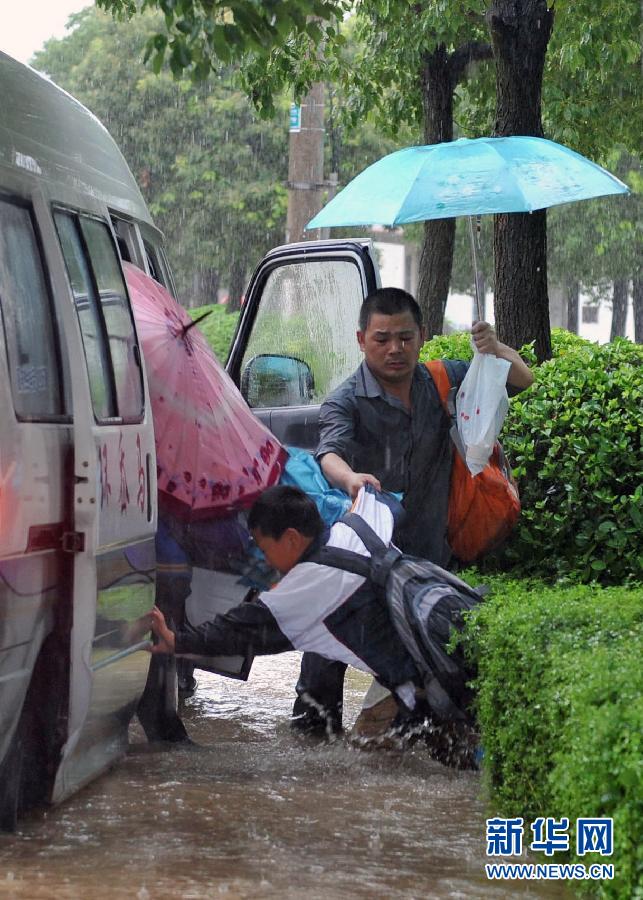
{"points": [[211, 171], [592, 84], [201, 35], [402, 66], [598, 241], [590, 87]]}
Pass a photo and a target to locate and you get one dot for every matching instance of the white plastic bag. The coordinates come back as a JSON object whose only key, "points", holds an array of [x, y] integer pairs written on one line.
{"points": [[481, 406]]}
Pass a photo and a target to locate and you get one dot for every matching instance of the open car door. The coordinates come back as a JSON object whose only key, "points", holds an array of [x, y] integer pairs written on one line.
{"points": [[296, 336], [295, 342]]}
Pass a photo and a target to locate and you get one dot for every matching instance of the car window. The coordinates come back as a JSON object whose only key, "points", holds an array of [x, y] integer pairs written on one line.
{"points": [[104, 314], [30, 334], [309, 312], [157, 265], [118, 318]]}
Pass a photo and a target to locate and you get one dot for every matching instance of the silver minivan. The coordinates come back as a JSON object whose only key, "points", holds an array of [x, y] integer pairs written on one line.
{"points": [[78, 505]]}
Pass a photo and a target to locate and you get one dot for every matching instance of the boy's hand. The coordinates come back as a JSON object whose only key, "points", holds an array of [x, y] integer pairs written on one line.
{"points": [[164, 634]]}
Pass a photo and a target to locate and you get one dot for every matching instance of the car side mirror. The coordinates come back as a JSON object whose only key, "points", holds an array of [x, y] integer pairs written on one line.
{"points": [[274, 380]]}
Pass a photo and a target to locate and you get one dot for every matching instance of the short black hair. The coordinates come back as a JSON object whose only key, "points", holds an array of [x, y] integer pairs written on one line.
{"points": [[389, 301], [282, 507]]}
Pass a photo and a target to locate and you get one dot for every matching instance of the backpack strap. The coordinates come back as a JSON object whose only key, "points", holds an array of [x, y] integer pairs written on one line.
{"points": [[372, 541], [443, 374], [339, 558], [376, 568], [383, 556], [444, 378]]}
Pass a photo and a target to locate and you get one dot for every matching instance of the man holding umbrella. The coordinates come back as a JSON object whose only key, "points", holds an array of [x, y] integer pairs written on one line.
{"points": [[386, 426]]}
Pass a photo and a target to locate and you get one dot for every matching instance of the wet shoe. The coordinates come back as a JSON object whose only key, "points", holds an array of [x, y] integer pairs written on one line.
{"points": [[187, 687], [316, 726], [375, 721]]}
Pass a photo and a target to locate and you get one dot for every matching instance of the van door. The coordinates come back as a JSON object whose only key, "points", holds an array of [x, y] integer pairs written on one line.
{"points": [[114, 498], [35, 445], [296, 336]]}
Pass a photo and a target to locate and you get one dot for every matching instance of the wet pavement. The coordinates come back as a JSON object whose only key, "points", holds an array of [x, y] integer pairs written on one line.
{"points": [[252, 810]]}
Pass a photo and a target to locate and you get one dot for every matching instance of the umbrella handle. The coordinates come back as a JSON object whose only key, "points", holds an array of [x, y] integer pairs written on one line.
{"points": [[186, 328], [475, 269]]}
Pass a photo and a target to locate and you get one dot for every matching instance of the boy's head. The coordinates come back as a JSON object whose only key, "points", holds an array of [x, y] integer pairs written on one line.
{"points": [[284, 522]]}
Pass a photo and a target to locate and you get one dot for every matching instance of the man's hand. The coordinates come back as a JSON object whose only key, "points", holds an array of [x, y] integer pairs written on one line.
{"points": [[164, 634], [357, 480], [485, 340], [484, 337], [338, 473]]}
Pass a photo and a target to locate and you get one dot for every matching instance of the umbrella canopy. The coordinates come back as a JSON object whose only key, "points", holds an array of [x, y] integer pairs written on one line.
{"points": [[465, 178], [213, 456]]}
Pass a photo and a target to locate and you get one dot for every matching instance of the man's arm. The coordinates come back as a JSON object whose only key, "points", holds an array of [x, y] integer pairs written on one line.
{"points": [[337, 434], [340, 475], [484, 337]]}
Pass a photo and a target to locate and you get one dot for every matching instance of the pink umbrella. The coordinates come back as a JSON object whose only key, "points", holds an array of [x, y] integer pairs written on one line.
{"points": [[213, 456]]}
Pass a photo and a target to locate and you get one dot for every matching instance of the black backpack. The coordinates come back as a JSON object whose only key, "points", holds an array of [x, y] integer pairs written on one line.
{"points": [[425, 603]]}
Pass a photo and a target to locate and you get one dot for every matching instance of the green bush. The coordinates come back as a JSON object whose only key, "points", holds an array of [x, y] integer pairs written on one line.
{"points": [[574, 440], [560, 705], [218, 328], [448, 346], [458, 346]]}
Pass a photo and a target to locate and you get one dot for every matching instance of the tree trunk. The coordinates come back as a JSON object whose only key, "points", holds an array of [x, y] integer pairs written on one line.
{"points": [[619, 309], [436, 259], [434, 274], [236, 286], [441, 72], [572, 294], [520, 254], [637, 304], [520, 31], [208, 286]]}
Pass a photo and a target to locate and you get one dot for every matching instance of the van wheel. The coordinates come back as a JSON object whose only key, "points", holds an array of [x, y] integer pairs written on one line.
{"points": [[23, 780], [10, 784]]}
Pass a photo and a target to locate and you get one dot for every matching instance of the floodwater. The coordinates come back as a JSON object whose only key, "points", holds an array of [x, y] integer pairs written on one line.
{"points": [[254, 811]]}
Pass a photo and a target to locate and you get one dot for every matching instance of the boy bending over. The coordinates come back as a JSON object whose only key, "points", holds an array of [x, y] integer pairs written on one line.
{"points": [[313, 607]]}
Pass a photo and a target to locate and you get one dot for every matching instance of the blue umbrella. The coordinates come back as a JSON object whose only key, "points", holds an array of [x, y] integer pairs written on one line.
{"points": [[465, 178]]}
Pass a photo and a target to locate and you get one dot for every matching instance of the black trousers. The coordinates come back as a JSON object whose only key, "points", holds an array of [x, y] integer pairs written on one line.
{"points": [[157, 709], [320, 695]]}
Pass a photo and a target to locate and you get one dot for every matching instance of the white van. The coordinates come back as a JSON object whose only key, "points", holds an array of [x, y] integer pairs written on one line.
{"points": [[77, 464]]}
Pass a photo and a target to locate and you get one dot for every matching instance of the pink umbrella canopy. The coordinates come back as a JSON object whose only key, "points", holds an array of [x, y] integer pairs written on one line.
{"points": [[213, 456]]}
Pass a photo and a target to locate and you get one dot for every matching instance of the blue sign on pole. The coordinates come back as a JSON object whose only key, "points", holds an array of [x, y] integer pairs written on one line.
{"points": [[295, 117]]}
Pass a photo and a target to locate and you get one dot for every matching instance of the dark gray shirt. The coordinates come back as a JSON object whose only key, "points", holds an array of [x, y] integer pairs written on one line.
{"points": [[407, 451]]}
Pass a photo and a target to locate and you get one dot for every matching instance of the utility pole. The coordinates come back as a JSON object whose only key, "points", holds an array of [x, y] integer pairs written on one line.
{"points": [[306, 183]]}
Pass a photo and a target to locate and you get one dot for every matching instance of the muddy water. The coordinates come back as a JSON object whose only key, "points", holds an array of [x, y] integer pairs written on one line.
{"points": [[254, 811]]}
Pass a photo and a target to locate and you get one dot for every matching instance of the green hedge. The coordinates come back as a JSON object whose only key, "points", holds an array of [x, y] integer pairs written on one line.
{"points": [[218, 328], [574, 440], [560, 704]]}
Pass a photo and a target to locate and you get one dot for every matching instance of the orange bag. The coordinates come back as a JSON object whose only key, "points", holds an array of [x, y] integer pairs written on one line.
{"points": [[484, 508]]}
